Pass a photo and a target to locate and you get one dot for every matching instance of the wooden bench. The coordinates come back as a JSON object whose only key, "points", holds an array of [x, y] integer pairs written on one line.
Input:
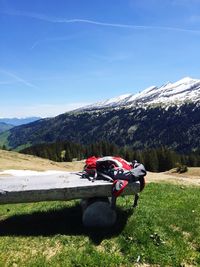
{"points": [[65, 186], [50, 187]]}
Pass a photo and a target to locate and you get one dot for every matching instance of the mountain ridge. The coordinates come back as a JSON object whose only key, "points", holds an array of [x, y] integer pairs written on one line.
{"points": [[185, 90], [175, 126]]}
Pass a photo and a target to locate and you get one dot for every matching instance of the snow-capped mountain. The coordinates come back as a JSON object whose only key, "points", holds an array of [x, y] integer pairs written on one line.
{"points": [[182, 91], [141, 121]]}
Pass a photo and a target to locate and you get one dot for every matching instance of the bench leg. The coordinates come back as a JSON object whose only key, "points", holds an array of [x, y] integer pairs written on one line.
{"points": [[135, 203], [97, 212]]}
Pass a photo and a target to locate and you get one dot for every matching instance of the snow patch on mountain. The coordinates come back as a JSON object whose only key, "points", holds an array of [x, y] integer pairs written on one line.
{"points": [[115, 101], [178, 93], [182, 91]]}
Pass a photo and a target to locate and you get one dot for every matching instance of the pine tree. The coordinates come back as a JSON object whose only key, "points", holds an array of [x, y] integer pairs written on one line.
{"points": [[151, 160]]}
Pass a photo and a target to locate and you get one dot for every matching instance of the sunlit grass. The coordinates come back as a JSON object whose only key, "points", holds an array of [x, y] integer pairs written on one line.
{"points": [[164, 230]]}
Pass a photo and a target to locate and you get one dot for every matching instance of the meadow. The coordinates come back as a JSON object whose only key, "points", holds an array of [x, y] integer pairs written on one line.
{"points": [[164, 230]]}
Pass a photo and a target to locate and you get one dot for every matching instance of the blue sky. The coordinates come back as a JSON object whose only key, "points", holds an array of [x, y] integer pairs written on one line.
{"points": [[56, 55]]}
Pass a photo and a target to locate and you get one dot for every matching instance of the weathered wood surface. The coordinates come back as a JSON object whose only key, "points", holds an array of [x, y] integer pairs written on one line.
{"points": [[67, 186]]}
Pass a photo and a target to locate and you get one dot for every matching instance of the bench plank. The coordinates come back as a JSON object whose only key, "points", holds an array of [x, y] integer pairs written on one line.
{"points": [[51, 187]]}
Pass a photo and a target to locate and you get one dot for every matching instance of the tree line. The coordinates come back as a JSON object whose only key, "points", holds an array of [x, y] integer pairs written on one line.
{"points": [[155, 159]]}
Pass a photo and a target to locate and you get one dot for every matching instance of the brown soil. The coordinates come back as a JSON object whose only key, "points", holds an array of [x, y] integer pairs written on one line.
{"points": [[187, 178]]}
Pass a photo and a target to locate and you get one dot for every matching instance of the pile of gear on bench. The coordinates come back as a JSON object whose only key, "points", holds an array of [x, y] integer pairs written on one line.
{"points": [[116, 170]]}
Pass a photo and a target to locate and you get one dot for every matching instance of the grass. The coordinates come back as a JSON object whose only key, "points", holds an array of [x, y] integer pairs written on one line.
{"points": [[164, 230], [4, 138], [18, 161]]}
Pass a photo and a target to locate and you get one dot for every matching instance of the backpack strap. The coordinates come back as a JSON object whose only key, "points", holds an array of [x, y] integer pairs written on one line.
{"points": [[117, 188], [104, 176]]}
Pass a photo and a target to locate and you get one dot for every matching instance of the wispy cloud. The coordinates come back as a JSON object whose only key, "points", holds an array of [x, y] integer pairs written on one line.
{"points": [[17, 78], [54, 39], [38, 42], [98, 23]]}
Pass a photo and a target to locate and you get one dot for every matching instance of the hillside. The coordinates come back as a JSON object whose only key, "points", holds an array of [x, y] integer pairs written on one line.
{"points": [[4, 127], [167, 116], [14, 160], [176, 128]]}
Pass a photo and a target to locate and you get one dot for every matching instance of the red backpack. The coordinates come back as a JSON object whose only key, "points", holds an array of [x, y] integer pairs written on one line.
{"points": [[113, 162], [116, 170], [96, 163], [105, 167], [90, 166]]}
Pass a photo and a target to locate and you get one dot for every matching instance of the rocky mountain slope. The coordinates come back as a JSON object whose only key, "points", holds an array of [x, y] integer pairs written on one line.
{"points": [[183, 91], [168, 116]]}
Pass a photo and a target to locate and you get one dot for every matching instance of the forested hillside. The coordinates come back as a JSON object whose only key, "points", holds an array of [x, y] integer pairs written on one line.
{"points": [[160, 159], [176, 128]]}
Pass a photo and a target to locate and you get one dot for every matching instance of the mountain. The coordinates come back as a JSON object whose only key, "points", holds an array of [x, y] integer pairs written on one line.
{"points": [[4, 126], [168, 115], [19, 121], [186, 90]]}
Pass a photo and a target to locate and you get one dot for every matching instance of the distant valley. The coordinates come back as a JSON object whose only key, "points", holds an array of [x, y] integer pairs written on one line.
{"points": [[18, 121]]}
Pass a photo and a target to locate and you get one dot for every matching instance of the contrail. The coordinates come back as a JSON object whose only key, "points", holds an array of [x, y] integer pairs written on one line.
{"points": [[17, 78], [99, 23]]}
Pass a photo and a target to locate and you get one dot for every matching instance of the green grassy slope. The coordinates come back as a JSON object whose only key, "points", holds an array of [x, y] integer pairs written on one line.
{"points": [[4, 139], [4, 127], [163, 230]]}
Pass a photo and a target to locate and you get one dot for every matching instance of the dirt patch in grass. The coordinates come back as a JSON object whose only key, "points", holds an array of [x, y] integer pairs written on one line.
{"points": [[187, 178], [52, 251], [192, 172]]}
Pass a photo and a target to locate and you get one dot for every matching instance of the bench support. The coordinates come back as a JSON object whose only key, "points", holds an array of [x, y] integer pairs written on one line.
{"points": [[97, 212]]}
